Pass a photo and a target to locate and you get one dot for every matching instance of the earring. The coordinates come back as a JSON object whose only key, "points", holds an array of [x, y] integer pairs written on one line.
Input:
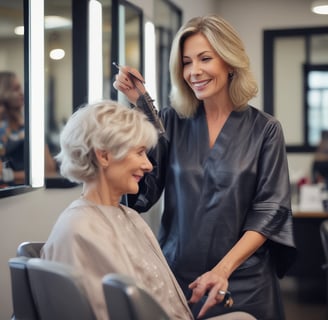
{"points": [[230, 75]]}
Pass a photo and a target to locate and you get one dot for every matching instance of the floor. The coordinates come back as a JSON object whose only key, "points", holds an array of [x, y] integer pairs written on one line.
{"points": [[301, 310]]}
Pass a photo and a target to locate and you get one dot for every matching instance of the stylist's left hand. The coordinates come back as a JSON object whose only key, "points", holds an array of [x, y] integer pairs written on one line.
{"points": [[209, 283]]}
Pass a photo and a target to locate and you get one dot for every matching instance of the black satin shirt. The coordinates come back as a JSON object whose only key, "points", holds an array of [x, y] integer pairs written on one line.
{"points": [[213, 195]]}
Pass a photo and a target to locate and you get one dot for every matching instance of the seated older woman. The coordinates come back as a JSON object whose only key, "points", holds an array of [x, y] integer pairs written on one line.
{"points": [[104, 146]]}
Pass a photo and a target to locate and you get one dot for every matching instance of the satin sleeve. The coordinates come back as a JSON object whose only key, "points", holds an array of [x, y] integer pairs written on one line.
{"points": [[270, 213], [152, 184]]}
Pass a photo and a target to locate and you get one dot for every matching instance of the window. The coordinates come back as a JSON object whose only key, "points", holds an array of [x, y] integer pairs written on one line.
{"points": [[295, 69]]}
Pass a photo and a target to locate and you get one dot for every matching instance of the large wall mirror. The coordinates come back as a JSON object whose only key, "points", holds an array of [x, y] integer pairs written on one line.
{"points": [[88, 35], [296, 84], [67, 63]]}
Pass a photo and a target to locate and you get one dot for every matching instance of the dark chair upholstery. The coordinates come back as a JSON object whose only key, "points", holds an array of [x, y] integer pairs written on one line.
{"points": [[57, 291], [29, 249], [126, 301], [324, 241], [22, 300]]}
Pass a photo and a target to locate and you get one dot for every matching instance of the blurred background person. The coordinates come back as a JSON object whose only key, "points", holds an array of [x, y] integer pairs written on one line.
{"points": [[12, 129], [320, 163]]}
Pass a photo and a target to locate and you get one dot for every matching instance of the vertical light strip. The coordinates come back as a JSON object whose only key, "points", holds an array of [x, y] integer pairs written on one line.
{"points": [[121, 49], [36, 92], [150, 59], [95, 61], [121, 34]]}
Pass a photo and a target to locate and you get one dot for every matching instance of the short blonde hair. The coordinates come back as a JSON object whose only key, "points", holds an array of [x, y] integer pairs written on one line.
{"points": [[105, 125], [228, 45]]}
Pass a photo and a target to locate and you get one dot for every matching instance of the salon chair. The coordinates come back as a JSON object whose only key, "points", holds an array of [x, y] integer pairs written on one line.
{"points": [[23, 304], [29, 249], [126, 301], [324, 241], [57, 291]]}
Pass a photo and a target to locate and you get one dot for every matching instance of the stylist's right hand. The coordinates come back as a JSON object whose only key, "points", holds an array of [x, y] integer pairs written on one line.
{"points": [[210, 284], [128, 85]]}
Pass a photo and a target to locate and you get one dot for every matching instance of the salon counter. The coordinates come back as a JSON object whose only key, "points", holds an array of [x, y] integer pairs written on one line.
{"points": [[311, 278]]}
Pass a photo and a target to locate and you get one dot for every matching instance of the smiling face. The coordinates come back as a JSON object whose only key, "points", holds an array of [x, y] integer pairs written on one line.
{"points": [[124, 174], [204, 71]]}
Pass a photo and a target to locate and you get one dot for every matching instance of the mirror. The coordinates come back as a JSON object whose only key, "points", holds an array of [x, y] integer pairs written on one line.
{"points": [[291, 56], [67, 79], [168, 19], [57, 77], [12, 129], [127, 41]]}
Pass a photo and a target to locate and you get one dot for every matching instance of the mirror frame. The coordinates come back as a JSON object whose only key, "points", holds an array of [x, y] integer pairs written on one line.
{"points": [[117, 40], [14, 190], [269, 37], [80, 78]]}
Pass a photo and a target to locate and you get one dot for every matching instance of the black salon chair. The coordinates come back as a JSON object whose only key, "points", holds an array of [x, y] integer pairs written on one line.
{"points": [[324, 241], [57, 291], [22, 300], [126, 301], [29, 249]]}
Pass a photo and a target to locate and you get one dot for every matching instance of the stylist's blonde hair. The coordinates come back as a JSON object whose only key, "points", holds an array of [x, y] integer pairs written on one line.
{"points": [[228, 45]]}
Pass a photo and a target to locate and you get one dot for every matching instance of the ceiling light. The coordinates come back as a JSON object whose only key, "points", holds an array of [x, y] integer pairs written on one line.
{"points": [[19, 30], [56, 22], [50, 22], [320, 7], [57, 54]]}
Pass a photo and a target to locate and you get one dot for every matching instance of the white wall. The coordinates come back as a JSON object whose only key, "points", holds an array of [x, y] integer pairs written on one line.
{"points": [[26, 217], [30, 216]]}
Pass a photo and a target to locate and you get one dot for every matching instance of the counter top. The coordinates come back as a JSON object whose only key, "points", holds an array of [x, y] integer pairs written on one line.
{"points": [[309, 214]]}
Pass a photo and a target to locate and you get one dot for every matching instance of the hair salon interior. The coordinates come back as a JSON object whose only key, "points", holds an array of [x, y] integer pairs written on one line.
{"points": [[79, 39]]}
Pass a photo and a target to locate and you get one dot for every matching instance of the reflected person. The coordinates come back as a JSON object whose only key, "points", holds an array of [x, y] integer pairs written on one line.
{"points": [[12, 128]]}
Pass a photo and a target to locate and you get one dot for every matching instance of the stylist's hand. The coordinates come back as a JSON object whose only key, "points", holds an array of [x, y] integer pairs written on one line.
{"points": [[129, 85], [209, 283]]}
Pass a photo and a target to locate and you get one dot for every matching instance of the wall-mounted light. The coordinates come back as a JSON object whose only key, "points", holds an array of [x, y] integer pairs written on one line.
{"points": [[36, 92], [95, 60], [320, 7], [150, 59]]}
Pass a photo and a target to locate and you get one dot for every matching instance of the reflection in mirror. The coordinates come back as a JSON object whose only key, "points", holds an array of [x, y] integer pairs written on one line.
{"points": [[106, 46], [168, 18], [58, 76], [129, 43], [12, 133]]}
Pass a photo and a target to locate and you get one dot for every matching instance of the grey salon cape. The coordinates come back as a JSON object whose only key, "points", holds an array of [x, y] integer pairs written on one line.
{"points": [[213, 195]]}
